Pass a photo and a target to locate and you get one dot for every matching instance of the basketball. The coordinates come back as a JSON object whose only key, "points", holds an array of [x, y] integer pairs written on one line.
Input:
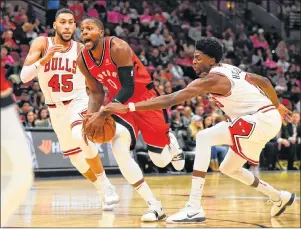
{"points": [[108, 132]]}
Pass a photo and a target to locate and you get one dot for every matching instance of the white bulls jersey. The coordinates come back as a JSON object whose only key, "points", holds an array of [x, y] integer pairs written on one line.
{"points": [[60, 79], [244, 98]]}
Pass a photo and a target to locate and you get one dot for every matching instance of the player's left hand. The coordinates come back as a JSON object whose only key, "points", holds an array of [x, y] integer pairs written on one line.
{"points": [[116, 107], [285, 113]]}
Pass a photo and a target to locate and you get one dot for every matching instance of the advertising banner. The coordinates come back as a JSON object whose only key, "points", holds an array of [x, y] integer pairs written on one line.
{"points": [[46, 152]]}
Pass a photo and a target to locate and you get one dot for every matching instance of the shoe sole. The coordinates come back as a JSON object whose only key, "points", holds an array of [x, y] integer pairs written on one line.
{"points": [[113, 202], [175, 163], [289, 203], [184, 221], [159, 218]]}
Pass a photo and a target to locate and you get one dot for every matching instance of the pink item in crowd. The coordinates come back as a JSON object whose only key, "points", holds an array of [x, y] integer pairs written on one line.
{"points": [[92, 13], [103, 2], [114, 17], [270, 64]]}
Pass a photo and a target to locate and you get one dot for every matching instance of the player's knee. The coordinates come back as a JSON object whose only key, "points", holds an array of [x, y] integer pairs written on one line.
{"points": [[161, 159], [228, 170], [90, 150], [79, 162], [77, 133]]}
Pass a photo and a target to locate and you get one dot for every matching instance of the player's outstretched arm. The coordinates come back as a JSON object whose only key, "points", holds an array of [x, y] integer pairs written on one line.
{"points": [[96, 91], [212, 83], [265, 85]]}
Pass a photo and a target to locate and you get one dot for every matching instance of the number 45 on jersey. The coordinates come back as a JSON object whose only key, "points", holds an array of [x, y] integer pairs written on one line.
{"points": [[63, 85]]}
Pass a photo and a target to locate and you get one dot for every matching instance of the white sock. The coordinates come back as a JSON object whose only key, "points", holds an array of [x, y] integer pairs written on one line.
{"points": [[196, 191], [102, 177], [268, 190], [101, 181], [145, 192]]}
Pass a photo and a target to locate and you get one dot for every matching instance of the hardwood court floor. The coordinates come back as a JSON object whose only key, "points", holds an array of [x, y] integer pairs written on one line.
{"points": [[227, 203]]}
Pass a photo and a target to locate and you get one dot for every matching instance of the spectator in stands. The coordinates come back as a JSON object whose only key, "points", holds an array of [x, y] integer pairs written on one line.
{"points": [[228, 40], [43, 118], [8, 40], [176, 70], [157, 39], [195, 33], [294, 137], [196, 125], [7, 59], [208, 121], [24, 108], [30, 119], [30, 33], [37, 27], [36, 96], [78, 10], [145, 18], [282, 63]]}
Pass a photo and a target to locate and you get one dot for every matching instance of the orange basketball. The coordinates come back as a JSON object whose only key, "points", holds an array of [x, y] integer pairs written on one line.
{"points": [[109, 130]]}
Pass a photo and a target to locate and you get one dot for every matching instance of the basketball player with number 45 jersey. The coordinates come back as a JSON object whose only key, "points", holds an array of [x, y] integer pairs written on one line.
{"points": [[53, 60]]}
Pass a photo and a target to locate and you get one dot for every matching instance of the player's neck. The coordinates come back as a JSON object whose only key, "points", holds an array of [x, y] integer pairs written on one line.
{"points": [[58, 41], [97, 51]]}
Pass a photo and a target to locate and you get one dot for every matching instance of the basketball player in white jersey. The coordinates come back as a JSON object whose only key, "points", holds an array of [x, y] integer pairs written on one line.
{"points": [[53, 60], [256, 115], [16, 162]]}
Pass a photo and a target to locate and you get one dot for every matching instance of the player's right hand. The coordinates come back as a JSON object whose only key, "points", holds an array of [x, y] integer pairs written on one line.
{"points": [[93, 125], [50, 53], [285, 113]]}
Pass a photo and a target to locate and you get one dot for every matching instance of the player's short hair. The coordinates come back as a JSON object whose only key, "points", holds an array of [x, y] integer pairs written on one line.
{"points": [[96, 21], [63, 11], [211, 47]]}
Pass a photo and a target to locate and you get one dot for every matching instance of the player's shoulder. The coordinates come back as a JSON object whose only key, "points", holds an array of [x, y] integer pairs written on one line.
{"points": [[117, 43], [40, 41]]}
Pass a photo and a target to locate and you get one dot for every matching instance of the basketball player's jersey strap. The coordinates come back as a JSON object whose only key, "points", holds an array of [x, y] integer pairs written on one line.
{"points": [[243, 98], [59, 79]]}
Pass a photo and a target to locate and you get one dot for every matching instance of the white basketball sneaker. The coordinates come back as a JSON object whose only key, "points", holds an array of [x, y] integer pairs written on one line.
{"points": [[188, 214], [107, 207], [109, 195], [178, 160], [286, 199], [154, 212]]}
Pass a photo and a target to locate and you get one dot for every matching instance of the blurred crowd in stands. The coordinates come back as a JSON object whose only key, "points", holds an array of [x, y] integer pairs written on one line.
{"points": [[163, 34]]}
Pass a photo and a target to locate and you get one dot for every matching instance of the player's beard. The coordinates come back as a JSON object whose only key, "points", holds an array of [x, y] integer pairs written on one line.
{"points": [[62, 38]]}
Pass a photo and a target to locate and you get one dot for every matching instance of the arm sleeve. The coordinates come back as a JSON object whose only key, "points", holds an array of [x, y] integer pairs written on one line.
{"points": [[126, 77], [29, 72]]}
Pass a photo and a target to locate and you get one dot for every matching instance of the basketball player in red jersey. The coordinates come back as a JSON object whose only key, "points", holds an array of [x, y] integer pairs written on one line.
{"points": [[110, 62], [14, 148]]}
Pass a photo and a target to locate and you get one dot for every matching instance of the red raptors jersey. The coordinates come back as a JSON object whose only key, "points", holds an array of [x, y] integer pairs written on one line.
{"points": [[106, 72]]}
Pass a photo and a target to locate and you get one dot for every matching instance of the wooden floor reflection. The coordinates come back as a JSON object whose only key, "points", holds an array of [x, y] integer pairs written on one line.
{"points": [[227, 203]]}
